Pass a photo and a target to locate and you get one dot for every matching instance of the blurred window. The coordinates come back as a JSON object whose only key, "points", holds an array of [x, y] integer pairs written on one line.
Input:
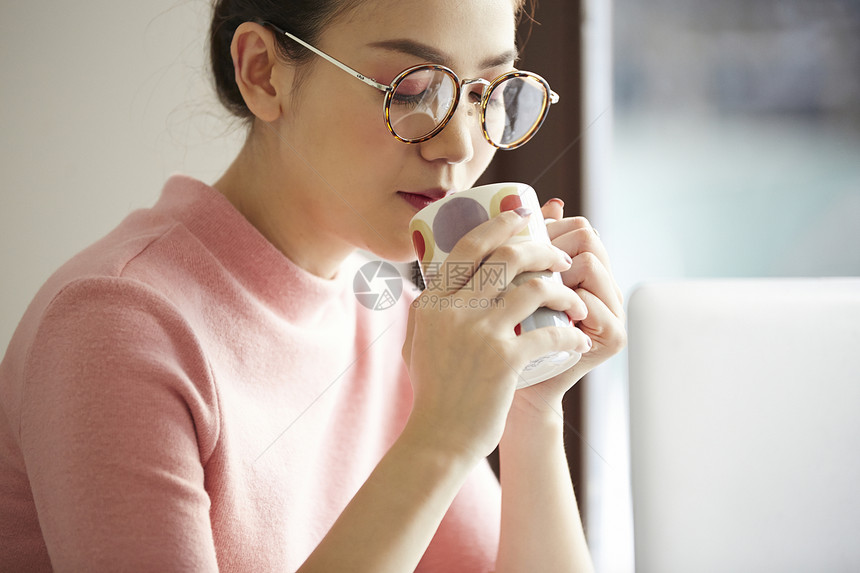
{"points": [[737, 137]]}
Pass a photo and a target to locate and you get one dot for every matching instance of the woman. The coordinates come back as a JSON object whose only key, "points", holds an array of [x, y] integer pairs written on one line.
{"points": [[199, 390]]}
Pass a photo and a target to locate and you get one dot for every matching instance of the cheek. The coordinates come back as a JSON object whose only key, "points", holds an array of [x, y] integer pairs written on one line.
{"points": [[365, 128], [358, 143], [347, 113], [484, 153], [373, 134]]}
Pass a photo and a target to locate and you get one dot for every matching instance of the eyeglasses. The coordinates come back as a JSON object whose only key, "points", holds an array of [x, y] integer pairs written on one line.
{"points": [[421, 100]]}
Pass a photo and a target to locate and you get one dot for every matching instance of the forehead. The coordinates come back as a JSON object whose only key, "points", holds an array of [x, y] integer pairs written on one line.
{"points": [[466, 32]]}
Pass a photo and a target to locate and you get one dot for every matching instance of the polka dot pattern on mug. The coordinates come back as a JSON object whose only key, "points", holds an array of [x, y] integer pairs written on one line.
{"points": [[456, 218], [422, 240]]}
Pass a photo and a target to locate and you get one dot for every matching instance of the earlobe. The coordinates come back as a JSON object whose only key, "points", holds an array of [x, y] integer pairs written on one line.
{"points": [[254, 59]]}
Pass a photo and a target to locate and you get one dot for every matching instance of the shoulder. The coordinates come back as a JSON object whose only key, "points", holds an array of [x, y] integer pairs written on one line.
{"points": [[89, 291], [103, 343], [112, 326], [97, 305]]}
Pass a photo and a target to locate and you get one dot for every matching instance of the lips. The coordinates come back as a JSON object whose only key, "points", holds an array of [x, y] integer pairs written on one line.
{"points": [[421, 199]]}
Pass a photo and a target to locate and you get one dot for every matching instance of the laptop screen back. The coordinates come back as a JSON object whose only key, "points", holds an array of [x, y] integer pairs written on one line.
{"points": [[745, 425]]}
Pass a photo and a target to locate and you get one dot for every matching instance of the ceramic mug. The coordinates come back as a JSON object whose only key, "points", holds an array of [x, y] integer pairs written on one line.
{"points": [[436, 229]]}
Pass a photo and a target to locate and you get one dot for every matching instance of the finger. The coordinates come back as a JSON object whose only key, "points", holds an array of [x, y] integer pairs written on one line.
{"points": [[575, 235], [541, 341], [589, 273], [565, 225], [474, 247], [602, 325], [511, 260], [568, 224], [553, 209], [581, 240], [522, 300]]}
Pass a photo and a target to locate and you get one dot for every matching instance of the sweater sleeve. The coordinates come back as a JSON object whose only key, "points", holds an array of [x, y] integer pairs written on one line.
{"points": [[118, 418]]}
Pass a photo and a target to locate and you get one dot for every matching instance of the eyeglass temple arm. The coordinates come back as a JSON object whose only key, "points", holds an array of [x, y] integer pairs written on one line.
{"points": [[369, 81]]}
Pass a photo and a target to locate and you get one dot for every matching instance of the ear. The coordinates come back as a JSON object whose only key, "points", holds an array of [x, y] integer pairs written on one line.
{"points": [[254, 60]]}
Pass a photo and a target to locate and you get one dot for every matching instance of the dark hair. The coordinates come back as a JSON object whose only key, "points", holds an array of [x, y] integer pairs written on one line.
{"points": [[303, 18]]}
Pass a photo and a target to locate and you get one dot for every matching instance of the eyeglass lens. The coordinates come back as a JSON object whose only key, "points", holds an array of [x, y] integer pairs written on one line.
{"points": [[522, 102], [423, 100]]}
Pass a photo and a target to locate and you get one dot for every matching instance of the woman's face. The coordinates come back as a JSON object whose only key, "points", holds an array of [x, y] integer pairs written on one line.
{"points": [[355, 182]]}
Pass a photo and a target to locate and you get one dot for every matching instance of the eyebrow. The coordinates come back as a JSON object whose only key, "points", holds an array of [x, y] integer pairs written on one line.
{"points": [[432, 55]]}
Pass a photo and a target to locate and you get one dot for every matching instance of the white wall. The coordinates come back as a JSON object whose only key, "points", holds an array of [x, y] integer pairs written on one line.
{"points": [[101, 102]]}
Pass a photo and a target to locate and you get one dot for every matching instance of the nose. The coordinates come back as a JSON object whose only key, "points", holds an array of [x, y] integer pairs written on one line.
{"points": [[456, 142]]}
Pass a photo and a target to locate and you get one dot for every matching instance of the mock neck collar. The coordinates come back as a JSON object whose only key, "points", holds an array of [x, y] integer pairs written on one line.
{"points": [[247, 255]]}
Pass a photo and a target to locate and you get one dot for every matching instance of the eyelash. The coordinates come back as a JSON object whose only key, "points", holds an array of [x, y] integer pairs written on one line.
{"points": [[407, 100], [413, 100]]}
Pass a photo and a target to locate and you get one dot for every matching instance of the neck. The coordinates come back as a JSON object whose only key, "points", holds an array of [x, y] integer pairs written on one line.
{"points": [[281, 206]]}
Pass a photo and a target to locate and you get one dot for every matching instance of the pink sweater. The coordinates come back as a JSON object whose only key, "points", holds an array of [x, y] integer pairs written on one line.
{"points": [[180, 396]]}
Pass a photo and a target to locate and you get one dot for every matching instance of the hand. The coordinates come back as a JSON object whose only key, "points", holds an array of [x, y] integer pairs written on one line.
{"points": [[590, 276], [461, 350]]}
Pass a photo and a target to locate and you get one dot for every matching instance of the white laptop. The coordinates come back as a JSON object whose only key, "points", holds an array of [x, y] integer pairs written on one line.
{"points": [[745, 425]]}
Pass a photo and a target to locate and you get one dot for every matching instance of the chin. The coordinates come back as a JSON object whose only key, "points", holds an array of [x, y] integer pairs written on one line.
{"points": [[396, 252], [406, 256]]}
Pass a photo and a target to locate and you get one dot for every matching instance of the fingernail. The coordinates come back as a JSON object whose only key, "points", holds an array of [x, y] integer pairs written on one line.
{"points": [[589, 342], [523, 212], [557, 200], [566, 257]]}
